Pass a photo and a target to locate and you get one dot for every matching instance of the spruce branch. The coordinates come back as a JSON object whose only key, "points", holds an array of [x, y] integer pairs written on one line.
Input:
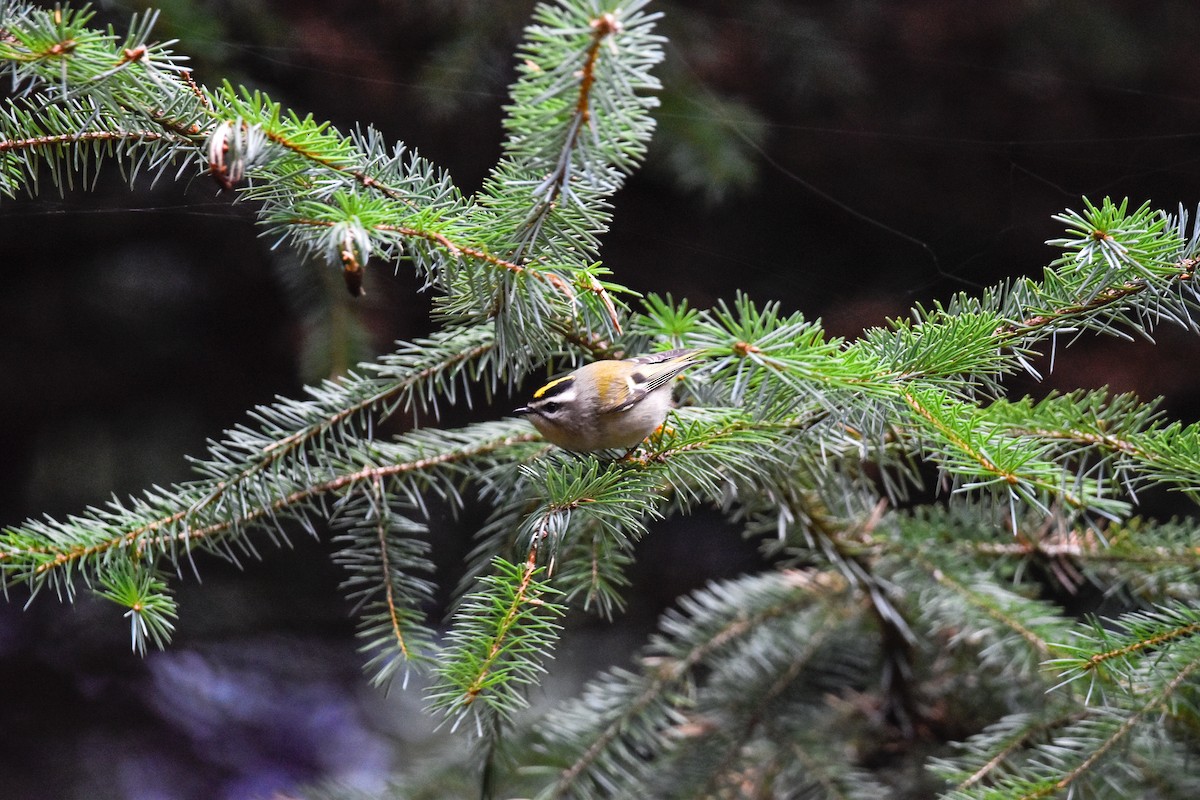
{"points": [[1113, 660], [735, 719], [587, 518], [965, 445], [71, 139], [57, 48], [584, 69], [801, 437], [169, 523], [1003, 746], [1137, 676], [307, 178], [145, 593], [600, 742], [1118, 263], [495, 646], [348, 199], [388, 581], [1118, 438], [974, 608], [922, 379], [1090, 741], [412, 379], [607, 497]]}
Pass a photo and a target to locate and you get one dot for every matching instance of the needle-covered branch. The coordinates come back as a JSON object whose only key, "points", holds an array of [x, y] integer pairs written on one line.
{"points": [[824, 451], [496, 645]]}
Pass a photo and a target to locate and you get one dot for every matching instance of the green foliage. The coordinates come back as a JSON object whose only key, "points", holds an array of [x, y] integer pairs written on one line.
{"points": [[922, 530], [146, 595], [387, 562], [632, 728], [496, 644]]}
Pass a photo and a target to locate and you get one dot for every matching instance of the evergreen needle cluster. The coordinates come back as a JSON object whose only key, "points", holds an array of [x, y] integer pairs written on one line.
{"points": [[883, 622]]}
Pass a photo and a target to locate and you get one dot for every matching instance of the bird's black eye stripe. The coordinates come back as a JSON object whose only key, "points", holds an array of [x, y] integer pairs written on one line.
{"points": [[549, 407]]}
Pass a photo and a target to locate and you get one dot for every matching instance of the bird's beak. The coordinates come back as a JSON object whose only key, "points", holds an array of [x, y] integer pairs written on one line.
{"points": [[522, 411]]}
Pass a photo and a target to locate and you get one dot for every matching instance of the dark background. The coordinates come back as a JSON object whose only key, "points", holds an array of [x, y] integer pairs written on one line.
{"points": [[846, 158]]}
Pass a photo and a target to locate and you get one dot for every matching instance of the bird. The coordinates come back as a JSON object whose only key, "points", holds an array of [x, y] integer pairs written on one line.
{"points": [[609, 404]]}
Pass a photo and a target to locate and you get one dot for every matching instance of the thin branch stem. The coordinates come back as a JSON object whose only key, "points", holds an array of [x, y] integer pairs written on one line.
{"points": [[522, 597], [1015, 746], [455, 249], [1103, 299], [38, 142], [1124, 729], [360, 177], [385, 567], [275, 451]]}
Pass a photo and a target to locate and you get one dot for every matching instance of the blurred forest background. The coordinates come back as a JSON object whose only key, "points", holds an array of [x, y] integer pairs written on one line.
{"points": [[848, 158]]}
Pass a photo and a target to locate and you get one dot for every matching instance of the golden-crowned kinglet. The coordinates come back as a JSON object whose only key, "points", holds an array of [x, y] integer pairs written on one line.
{"points": [[608, 404]]}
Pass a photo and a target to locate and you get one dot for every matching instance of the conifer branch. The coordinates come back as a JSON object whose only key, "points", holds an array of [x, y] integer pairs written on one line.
{"points": [[1110, 297], [388, 569], [1155, 703], [390, 599], [557, 185], [496, 644], [1014, 736], [21, 560], [611, 721], [151, 607], [46, 142], [802, 438], [977, 595], [399, 382], [758, 712], [522, 596], [455, 251], [298, 143]]}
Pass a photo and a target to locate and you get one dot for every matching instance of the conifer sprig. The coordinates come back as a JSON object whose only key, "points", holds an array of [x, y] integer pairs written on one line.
{"points": [[591, 85], [170, 522], [386, 555], [817, 446], [496, 644], [600, 743], [146, 595], [71, 138]]}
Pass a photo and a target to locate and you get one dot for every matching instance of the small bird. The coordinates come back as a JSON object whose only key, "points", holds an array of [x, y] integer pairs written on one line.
{"points": [[608, 404]]}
